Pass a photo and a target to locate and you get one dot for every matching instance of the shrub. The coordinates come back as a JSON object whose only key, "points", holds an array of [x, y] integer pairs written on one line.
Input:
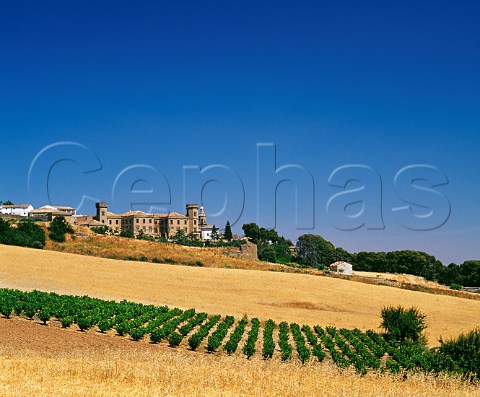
{"points": [[403, 324], [100, 229], [126, 234], [170, 260], [456, 287], [174, 339], [156, 260], [461, 355], [58, 228], [44, 316], [66, 321], [26, 234]]}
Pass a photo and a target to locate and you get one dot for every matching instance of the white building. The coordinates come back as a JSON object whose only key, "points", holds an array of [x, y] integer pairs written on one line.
{"points": [[206, 232], [341, 267], [17, 209]]}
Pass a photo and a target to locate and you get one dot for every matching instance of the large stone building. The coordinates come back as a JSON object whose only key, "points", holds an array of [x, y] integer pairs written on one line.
{"points": [[157, 225]]}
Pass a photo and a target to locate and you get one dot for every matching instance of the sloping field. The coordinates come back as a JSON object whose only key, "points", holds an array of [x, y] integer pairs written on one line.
{"points": [[38, 360], [280, 296]]}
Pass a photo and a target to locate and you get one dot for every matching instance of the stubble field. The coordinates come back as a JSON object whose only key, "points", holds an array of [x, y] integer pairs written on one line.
{"points": [[304, 299]]}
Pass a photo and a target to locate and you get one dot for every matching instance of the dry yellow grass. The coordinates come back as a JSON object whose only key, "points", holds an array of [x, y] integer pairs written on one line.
{"points": [[300, 298], [114, 247], [45, 361]]}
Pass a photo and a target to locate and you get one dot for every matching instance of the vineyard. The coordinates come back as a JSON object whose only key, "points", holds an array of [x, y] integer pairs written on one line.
{"points": [[363, 351]]}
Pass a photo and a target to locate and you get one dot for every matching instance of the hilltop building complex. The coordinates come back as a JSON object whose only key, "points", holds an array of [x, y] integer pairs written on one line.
{"points": [[156, 225]]}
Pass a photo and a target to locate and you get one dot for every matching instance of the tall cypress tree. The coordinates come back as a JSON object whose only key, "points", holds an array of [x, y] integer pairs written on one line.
{"points": [[228, 232]]}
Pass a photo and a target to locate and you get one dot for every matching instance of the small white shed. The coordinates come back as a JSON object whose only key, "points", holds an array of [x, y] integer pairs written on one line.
{"points": [[341, 267]]}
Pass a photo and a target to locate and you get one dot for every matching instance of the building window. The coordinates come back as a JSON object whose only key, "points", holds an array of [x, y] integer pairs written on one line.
{"points": [[103, 213], [171, 222], [137, 220], [185, 222], [178, 221], [150, 221], [109, 221], [194, 221], [116, 222]]}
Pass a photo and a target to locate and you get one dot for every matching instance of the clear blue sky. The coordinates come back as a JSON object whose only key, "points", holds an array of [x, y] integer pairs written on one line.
{"points": [[381, 84]]}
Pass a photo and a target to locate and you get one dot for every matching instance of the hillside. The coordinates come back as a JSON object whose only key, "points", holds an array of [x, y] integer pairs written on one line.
{"points": [[86, 242], [281, 296]]}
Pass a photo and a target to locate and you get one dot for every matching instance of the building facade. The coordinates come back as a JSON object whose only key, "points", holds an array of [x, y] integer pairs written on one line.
{"points": [[16, 209], [156, 225], [48, 213]]}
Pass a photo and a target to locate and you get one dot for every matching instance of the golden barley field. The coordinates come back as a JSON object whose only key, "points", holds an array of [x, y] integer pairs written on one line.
{"points": [[38, 360], [305, 299]]}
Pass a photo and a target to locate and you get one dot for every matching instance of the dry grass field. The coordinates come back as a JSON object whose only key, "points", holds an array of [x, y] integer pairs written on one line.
{"points": [[304, 299], [38, 360]]}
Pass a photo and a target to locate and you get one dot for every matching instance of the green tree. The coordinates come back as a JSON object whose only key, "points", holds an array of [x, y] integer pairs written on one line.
{"points": [[214, 234], [402, 324], [180, 237], [58, 228], [8, 202], [313, 250], [228, 232]]}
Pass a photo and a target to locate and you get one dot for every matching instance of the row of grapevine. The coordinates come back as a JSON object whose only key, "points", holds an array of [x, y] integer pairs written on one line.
{"points": [[249, 348], [268, 342], [283, 337], [317, 349], [197, 338], [216, 338], [232, 344]]}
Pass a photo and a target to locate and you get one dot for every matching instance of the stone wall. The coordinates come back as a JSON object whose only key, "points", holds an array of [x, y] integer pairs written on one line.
{"points": [[246, 251]]}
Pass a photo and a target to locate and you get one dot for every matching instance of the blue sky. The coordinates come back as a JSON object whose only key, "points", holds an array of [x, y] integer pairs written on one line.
{"points": [[145, 89]]}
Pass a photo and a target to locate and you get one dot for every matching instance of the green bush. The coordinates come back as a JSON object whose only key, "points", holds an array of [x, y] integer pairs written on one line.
{"points": [[58, 228], [25, 234], [174, 339], [100, 229], [126, 234], [456, 287], [402, 324], [460, 355]]}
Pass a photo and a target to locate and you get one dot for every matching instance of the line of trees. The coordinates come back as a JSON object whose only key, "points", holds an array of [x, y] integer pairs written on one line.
{"points": [[314, 251], [24, 233]]}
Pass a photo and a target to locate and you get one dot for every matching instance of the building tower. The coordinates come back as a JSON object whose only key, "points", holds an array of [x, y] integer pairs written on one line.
{"points": [[192, 215], [202, 218], [102, 209]]}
